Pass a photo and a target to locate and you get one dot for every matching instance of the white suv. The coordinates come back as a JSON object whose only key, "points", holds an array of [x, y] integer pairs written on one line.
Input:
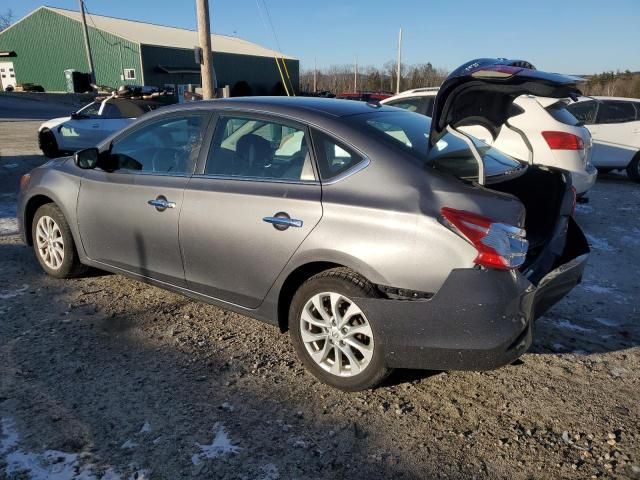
{"points": [[614, 124], [554, 137]]}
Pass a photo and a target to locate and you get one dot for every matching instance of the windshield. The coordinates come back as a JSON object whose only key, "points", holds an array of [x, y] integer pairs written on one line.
{"points": [[410, 131]]}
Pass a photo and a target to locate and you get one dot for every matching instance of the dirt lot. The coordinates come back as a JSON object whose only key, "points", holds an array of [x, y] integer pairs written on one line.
{"points": [[108, 378]]}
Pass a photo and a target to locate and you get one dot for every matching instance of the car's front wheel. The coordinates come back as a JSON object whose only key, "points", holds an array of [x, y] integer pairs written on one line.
{"points": [[53, 243], [332, 334], [48, 144], [633, 169]]}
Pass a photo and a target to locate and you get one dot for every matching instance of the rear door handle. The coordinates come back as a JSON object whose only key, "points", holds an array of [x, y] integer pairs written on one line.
{"points": [[161, 203], [282, 221]]}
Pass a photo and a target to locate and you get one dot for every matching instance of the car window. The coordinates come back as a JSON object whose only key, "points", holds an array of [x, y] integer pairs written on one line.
{"points": [[413, 104], [257, 148], [333, 157], [168, 146], [560, 113], [410, 132], [585, 112], [429, 106], [90, 110], [110, 111], [616, 112]]}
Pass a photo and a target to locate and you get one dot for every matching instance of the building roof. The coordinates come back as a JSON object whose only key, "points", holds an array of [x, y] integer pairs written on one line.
{"points": [[161, 35]]}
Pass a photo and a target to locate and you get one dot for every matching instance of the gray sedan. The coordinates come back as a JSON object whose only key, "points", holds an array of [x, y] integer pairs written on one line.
{"points": [[377, 237]]}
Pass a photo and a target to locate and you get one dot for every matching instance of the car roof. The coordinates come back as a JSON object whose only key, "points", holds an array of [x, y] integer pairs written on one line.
{"points": [[297, 106], [415, 92], [601, 97]]}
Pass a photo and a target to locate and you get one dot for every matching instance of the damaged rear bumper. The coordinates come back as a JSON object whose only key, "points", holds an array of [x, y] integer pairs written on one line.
{"points": [[479, 319]]}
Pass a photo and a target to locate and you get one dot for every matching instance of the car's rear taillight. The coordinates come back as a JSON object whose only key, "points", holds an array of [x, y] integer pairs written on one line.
{"points": [[563, 141], [499, 245]]}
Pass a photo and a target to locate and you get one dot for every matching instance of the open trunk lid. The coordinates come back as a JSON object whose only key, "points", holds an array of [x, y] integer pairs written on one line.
{"points": [[482, 91]]}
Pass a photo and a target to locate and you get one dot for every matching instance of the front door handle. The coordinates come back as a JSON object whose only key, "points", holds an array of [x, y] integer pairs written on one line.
{"points": [[282, 221], [161, 203]]}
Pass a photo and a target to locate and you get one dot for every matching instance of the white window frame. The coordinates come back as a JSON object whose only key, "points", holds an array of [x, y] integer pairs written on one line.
{"points": [[126, 72]]}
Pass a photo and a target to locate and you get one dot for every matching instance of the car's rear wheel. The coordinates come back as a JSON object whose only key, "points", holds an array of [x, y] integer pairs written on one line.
{"points": [[53, 243], [48, 144], [633, 169], [332, 334]]}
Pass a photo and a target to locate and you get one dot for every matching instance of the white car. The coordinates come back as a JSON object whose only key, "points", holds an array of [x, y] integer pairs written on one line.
{"points": [[553, 136], [614, 124], [90, 125]]}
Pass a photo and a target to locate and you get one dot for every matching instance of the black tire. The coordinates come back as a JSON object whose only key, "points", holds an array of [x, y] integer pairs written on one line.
{"points": [[48, 144], [351, 285], [633, 169], [604, 170], [70, 265]]}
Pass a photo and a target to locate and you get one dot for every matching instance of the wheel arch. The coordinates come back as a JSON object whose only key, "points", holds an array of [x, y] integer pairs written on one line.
{"points": [[295, 279], [30, 209]]}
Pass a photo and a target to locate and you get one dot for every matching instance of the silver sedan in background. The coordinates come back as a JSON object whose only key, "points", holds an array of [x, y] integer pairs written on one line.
{"points": [[377, 237]]}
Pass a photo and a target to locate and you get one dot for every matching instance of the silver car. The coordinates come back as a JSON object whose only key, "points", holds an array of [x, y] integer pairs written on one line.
{"points": [[377, 237]]}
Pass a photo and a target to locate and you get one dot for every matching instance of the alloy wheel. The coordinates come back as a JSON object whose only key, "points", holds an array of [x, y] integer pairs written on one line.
{"points": [[49, 242], [336, 334]]}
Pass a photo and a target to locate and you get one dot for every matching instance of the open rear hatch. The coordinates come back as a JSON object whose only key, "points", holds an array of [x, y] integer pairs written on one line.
{"points": [[481, 92]]}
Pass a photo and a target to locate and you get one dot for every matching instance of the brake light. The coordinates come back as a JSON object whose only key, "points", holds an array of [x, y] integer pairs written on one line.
{"points": [[499, 245], [563, 141], [495, 71]]}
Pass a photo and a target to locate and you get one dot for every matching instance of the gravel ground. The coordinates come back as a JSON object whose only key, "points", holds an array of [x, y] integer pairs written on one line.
{"points": [[107, 378]]}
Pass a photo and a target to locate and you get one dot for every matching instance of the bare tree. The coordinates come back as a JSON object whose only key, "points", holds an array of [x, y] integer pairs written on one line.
{"points": [[6, 19], [339, 78]]}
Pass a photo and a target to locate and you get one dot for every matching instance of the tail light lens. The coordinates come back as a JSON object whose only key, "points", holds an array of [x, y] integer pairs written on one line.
{"points": [[499, 245], [563, 141]]}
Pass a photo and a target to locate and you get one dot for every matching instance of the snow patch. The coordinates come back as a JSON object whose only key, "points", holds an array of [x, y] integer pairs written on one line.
{"points": [[599, 243], [145, 428], [8, 435], [50, 464], [8, 220], [566, 324], [221, 445], [7, 294], [607, 322], [129, 444], [581, 208], [596, 288]]}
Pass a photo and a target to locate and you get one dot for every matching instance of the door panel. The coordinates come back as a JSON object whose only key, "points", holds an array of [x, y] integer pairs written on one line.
{"points": [[120, 228], [612, 144], [230, 253]]}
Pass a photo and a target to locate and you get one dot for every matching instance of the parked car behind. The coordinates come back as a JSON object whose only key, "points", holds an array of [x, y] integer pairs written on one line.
{"points": [[90, 125], [378, 237], [614, 124], [552, 136]]}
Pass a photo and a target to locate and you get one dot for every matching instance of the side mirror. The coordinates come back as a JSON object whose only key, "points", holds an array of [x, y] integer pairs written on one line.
{"points": [[87, 158]]}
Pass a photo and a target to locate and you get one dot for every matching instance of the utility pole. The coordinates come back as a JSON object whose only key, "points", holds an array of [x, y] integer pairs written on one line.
{"points": [[355, 77], [399, 61], [315, 74], [92, 74], [204, 39]]}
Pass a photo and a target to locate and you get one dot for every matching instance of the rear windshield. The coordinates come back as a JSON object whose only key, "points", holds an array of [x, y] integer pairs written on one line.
{"points": [[560, 113], [410, 131]]}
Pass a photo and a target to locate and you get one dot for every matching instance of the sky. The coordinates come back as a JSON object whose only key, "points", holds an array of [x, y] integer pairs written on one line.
{"points": [[568, 36]]}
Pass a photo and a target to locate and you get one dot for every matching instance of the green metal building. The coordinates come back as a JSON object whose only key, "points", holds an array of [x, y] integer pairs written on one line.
{"points": [[41, 46]]}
